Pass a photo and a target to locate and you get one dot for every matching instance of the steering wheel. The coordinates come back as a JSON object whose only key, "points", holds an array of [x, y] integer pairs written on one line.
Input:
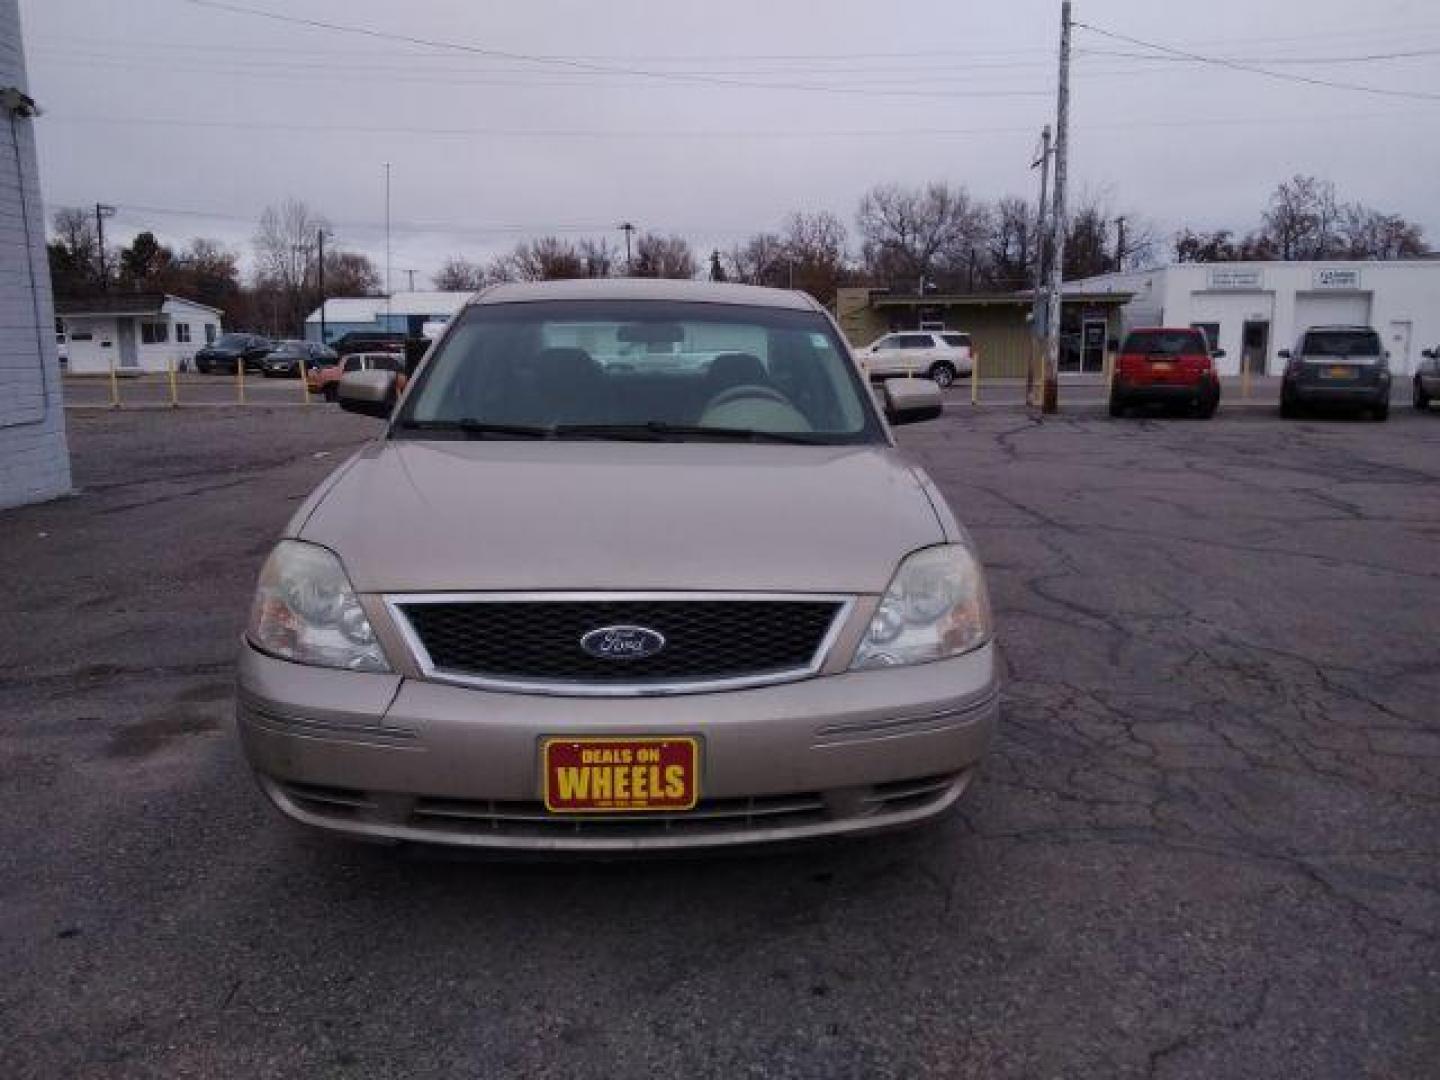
{"points": [[747, 392]]}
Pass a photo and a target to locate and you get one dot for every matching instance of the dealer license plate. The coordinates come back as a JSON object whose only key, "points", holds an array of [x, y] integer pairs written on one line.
{"points": [[611, 775], [1339, 371]]}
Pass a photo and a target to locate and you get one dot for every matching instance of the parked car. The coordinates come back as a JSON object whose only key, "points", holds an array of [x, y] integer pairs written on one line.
{"points": [[291, 357], [1161, 366], [1336, 365], [326, 380], [229, 350], [941, 356], [368, 341], [563, 606], [1427, 379]]}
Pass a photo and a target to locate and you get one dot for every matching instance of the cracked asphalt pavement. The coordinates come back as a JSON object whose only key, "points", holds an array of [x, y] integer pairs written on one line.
{"points": [[1204, 846]]}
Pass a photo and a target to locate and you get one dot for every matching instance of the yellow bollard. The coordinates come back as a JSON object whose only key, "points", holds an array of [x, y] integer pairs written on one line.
{"points": [[975, 377], [114, 387], [240, 379], [304, 382], [174, 389], [1244, 379]]}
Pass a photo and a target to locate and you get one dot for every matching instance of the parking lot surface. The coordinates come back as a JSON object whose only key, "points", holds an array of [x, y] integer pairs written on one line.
{"points": [[1205, 845]]}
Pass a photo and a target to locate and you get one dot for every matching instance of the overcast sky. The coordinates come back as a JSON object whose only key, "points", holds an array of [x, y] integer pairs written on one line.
{"points": [[192, 119]]}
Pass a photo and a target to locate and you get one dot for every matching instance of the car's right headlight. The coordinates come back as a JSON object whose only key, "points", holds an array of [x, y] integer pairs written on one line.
{"points": [[936, 607], [305, 610]]}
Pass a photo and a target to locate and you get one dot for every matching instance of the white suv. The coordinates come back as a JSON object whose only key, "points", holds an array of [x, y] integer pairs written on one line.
{"points": [[940, 355]]}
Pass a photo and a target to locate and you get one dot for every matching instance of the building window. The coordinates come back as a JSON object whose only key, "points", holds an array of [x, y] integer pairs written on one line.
{"points": [[1211, 330], [182, 333], [154, 333], [209, 333]]}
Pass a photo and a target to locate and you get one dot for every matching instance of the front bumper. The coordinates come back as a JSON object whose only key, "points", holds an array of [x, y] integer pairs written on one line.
{"points": [[384, 757]]}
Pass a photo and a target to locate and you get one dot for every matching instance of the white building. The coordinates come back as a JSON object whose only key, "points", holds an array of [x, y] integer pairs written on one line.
{"points": [[34, 460], [135, 332], [1253, 310]]}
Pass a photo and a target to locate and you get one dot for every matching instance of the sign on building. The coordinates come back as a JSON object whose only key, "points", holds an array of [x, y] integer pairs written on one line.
{"points": [[1224, 277], [1337, 278]]}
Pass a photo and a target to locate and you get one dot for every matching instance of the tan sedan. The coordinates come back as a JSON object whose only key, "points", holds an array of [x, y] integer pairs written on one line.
{"points": [[579, 597]]}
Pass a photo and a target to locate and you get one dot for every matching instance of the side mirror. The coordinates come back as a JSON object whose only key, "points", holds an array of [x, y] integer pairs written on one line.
{"points": [[911, 401], [1284, 354], [370, 393], [1218, 354]]}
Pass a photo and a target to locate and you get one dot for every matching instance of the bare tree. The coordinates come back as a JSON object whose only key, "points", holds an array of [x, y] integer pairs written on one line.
{"points": [[1371, 234], [73, 251], [348, 273], [761, 260], [285, 243], [815, 247], [1011, 249], [459, 275], [547, 259], [659, 256], [915, 233], [599, 257]]}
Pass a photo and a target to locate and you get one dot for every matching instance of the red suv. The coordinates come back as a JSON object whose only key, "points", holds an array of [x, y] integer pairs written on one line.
{"points": [[1166, 367]]}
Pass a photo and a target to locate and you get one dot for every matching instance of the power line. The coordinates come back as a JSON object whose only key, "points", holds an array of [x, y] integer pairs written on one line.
{"points": [[702, 134], [1234, 65], [1300, 60], [575, 64]]}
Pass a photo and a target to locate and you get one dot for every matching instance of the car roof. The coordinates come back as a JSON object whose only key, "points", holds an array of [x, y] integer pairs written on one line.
{"points": [[1341, 326], [695, 292], [1164, 330]]}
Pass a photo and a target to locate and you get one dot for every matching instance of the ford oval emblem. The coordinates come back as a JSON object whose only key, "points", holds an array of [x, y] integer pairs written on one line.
{"points": [[622, 642]]}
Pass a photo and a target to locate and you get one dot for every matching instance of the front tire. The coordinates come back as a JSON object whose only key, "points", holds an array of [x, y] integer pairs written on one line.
{"points": [[943, 375], [1380, 413], [1289, 409], [1117, 407]]}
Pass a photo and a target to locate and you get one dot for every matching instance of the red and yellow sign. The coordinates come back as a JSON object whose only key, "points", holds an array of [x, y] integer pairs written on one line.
{"points": [[595, 776]]}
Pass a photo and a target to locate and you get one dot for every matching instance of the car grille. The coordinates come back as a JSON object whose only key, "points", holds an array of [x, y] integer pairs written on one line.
{"points": [[450, 819], [537, 642]]}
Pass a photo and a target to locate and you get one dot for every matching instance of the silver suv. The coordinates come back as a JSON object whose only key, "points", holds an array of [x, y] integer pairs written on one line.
{"points": [[568, 600]]}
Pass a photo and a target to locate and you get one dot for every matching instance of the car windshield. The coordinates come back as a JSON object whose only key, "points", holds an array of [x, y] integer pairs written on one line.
{"points": [[1165, 343], [232, 341], [1342, 343], [651, 369]]}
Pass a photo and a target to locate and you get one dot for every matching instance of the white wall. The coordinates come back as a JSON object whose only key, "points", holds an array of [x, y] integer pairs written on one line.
{"points": [[34, 458], [1403, 300]]}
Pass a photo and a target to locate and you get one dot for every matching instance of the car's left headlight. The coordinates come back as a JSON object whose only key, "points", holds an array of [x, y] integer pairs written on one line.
{"points": [[305, 610], [936, 606]]}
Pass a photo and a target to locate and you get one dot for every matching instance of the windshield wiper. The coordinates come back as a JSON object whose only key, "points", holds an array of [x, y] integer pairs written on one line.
{"points": [[479, 429], [661, 431]]}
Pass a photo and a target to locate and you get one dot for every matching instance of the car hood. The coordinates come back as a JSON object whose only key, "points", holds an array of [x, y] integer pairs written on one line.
{"points": [[413, 516]]}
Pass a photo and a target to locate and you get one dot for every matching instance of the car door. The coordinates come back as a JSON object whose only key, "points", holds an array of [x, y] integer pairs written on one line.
{"points": [[881, 358], [915, 353]]}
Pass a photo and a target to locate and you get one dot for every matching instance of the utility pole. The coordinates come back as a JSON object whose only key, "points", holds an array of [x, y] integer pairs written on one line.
{"points": [[387, 245], [627, 229], [102, 212], [1059, 220], [320, 280], [411, 274], [1120, 243], [1039, 321]]}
